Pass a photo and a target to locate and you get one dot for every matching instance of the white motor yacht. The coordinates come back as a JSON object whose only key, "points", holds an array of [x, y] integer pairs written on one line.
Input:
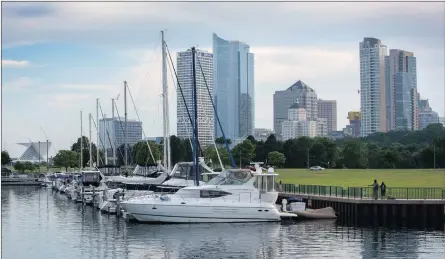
{"points": [[235, 195], [92, 183]]}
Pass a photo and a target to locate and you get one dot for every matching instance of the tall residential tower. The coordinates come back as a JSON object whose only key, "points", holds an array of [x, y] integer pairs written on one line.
{"points": [[401, 91], [205, 109], [233, 70], [372, 86]]}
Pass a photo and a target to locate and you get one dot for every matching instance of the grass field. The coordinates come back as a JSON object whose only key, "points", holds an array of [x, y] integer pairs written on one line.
{"points": [[364, 177]]}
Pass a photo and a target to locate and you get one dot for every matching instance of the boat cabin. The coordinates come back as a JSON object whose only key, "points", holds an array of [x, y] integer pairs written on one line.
{"points": [[91, 178]]}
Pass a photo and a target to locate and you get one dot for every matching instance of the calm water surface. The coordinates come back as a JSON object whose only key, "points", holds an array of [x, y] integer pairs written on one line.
{"points": [[37, 223]]}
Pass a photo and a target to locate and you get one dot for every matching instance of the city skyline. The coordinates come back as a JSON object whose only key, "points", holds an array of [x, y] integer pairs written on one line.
{"points": [[65, 61]]}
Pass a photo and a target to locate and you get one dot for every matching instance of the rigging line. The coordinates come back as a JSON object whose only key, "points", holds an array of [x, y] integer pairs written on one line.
{"points": [[139, 119], [176, 87], [216, 114], [182, 95], [123, 130], [48, 139], [106, 130], [113, 145], [155, 57], [97, 146]]}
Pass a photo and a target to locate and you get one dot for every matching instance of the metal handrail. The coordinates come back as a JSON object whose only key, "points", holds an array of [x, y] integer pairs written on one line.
{"points": [[408, 193]]}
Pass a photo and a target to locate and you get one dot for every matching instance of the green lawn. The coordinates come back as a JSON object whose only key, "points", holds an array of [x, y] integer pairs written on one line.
{"points": [[364, 177]]}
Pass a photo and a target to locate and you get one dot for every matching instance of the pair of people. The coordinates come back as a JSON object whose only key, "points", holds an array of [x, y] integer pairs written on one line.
{"points": [[375, 190]]}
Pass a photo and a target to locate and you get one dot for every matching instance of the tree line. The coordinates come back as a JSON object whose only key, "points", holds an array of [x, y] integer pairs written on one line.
{"points": [[395, 149]]}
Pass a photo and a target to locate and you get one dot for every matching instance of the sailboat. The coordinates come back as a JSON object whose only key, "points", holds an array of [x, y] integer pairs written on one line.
{"points": [[235, 195]]}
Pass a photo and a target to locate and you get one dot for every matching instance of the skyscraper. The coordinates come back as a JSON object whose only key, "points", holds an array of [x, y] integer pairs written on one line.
{"points": [[205, 110], [115, 128], [300, 93], [402, 89], [372, 86], [233, 71], [328, 110], [426, 114]]}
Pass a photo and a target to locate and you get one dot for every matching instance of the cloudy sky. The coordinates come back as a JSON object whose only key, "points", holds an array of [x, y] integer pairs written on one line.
{"points": [[57, 58]]}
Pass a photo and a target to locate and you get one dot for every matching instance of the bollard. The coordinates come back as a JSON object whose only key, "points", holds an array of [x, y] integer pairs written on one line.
{"points": [[284, 202], [118, 199]]}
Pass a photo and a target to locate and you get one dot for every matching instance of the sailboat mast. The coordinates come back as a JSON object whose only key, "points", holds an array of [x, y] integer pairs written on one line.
{"points": [[97, 130], [81, 143], [125, 133], [165, 104], [105, 141], [114, 139], [91, 145], [195, 119]]}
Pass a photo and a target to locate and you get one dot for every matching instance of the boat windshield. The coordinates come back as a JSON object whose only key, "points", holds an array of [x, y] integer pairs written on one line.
{"points": [[231, 177]]}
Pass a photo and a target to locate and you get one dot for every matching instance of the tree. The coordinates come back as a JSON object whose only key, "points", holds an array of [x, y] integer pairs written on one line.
{"points": [[375, 158], [260, 152], [6, 159], [19, 166], [276, 158], [141, 153], [252, 139], [210, 153], [86, 151], [66, 159], [271, 144], [317, 155], [120, 154], [244, 152], [220, 141], [30, 166], [354, 154]]}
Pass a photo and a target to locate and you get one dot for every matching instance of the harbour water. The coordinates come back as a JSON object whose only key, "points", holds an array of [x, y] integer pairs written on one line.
{"points": [[40, 223]]}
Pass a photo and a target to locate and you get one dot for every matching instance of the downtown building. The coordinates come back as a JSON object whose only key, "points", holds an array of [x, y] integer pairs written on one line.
{"points": [[327, 109], [372, 86], [299, 93], [204, 60], [402, 98], [426, 114], [111, 133], [353, 128], [233, 79], [299, 124]]}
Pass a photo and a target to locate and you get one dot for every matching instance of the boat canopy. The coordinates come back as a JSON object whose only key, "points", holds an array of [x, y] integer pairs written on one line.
{"points": [[186, 170], [232, 177]]}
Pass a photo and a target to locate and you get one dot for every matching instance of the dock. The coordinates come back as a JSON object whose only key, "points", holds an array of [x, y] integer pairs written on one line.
{"points": [[19, 181], [357, 205]]}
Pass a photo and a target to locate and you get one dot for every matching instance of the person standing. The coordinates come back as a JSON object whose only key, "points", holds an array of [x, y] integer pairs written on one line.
{"points": [[375, 190], [383, 190]]}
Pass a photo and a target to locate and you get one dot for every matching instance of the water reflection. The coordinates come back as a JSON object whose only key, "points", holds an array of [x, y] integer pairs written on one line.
{"points": [[39, 223]]}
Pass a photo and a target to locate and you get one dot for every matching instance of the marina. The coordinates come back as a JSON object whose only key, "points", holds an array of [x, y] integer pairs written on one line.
{"points": [[34, 217]]}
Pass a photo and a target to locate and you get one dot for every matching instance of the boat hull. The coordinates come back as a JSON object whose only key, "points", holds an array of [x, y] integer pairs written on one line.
{"points": [[158, 213]]}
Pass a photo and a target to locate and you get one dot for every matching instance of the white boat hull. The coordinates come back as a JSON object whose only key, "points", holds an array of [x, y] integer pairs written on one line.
{"points": [[201, 214]]}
